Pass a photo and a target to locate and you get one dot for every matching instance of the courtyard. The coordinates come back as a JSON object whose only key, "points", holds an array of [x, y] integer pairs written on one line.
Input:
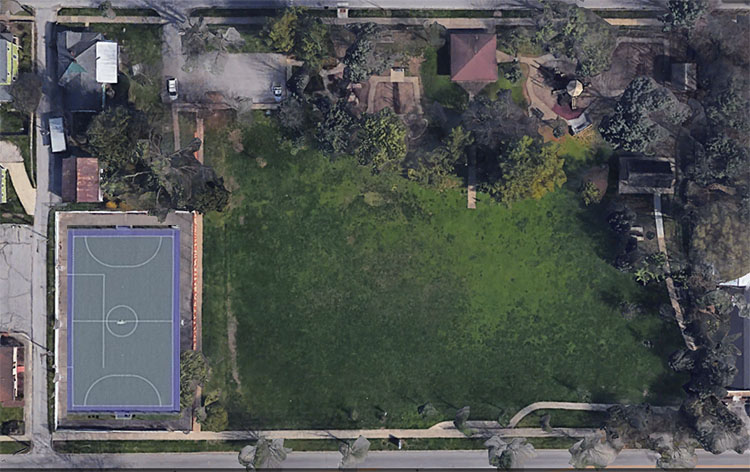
{"points": [[335, 298]]}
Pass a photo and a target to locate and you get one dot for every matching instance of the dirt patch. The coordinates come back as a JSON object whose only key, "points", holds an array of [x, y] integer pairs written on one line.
{"points": [[598, 176], [399, 96], [630, 60], [232, 342]]}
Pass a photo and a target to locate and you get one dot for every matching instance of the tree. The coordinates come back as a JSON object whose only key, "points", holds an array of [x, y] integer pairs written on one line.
{"points": [[264, 454], [311, 41], [728, 107], [590, 193], [382, 142], [216, 419], [280, 31], [577, 33], [435, 167], [190, 184], [507, 456], [593, 450], [113, 135], [353, 453], [361, 60], [722, 160], [107, 10], [462, 415], [528, 169], [493, 121], [26, 92], [683, 13], [335, 128], [631, 127], [193, 372]]}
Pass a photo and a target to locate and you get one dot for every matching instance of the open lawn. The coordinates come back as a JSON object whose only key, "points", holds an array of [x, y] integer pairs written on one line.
{"points": [[358, 295]]}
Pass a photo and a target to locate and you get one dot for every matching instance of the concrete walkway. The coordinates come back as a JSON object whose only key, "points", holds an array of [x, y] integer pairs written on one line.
{"points": [[11, 159], [557, 406], [689, 342], [444, 430]]}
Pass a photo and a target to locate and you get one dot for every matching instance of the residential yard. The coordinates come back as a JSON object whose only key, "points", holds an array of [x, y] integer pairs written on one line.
{"points": [[359, 298], [516, 89]]}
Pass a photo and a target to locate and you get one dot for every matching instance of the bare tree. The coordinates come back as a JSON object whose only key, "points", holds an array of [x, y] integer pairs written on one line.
{"points": [[264, 454], [353, 453], [512, 455]]}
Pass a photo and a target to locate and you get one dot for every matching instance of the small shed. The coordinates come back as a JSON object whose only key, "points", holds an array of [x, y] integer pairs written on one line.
{"points": [[57, 135], [80, 180], [646, 175], [684, 76]]}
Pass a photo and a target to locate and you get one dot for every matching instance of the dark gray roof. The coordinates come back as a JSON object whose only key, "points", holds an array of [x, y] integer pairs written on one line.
{"points": [[741, 326], [640, 174], [76, 70]]}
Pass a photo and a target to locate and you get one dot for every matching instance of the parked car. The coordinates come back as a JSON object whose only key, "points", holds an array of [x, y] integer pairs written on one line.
{"points": [[172, 88], [277, 92]]}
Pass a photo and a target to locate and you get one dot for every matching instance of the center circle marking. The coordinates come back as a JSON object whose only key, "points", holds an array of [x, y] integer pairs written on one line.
{"points": [[133, 321]]}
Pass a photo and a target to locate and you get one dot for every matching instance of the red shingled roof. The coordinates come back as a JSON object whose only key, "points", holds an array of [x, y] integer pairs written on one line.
{"points": [[80, 182], [473, 57]]}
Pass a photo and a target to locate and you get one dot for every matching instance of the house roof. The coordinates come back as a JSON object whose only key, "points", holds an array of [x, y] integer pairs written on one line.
{"points": [[641, 175], [80, 179], [567, 113], [7, 397], [473, 57], [80, 61], [8, 59]]}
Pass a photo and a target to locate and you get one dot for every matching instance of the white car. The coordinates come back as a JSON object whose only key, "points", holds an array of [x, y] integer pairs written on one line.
{"points": [[277, 92], [172, 88]]}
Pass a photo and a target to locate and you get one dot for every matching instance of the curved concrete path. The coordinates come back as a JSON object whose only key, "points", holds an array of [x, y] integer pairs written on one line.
{"points": [[557, 406], [11, 159]]}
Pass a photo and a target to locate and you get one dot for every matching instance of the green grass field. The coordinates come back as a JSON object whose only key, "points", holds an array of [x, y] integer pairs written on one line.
{"points": [[357, 295], [439, 87]]}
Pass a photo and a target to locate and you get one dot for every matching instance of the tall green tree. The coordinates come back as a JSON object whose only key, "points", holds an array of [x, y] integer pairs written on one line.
{"points": [[683, 13], [577, 33], [528, 169], [435, 167], [631, 127], [334, 131], [26, 92], [382, 141], [280, 31], [113, 136]]}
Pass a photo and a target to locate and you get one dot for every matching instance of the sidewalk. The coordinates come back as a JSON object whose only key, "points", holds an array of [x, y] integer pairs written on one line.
{"points": [[444, 430]]}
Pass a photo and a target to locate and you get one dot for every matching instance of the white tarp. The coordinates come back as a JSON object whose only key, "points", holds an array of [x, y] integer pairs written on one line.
{"points": [[743, 281], [106, 62], [57, 135]]}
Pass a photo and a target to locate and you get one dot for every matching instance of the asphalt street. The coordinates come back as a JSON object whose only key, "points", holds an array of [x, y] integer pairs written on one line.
{"points": [[550, 458]]}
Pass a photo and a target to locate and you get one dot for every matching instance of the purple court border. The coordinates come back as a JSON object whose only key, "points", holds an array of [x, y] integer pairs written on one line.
{"points": [[126, 232]]}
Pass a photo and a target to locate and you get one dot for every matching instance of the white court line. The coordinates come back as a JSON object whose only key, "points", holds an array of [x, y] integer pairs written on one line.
{"points": [[124, 321], [140, 377], [125, 266]]}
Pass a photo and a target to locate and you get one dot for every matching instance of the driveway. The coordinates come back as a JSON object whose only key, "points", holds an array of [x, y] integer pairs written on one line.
{"points": [[239, 76]]}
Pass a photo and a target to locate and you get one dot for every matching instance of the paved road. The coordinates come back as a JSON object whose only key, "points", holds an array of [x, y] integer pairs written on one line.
{"points": [[387, 4], [46, 173], [550, 458]]}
